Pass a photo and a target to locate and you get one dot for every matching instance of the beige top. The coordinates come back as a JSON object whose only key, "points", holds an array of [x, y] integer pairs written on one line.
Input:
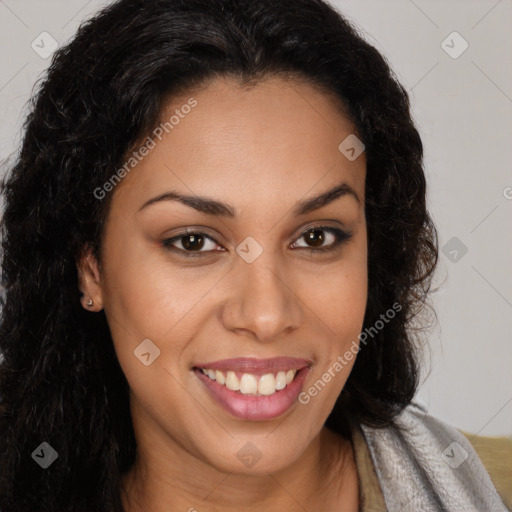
{"points": [[494, 452]]}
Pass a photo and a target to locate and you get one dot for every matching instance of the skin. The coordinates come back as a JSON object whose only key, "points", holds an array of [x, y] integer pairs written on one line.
{"points": [[259, 150]]}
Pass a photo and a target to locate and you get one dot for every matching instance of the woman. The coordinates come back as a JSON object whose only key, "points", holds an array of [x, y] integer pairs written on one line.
{"points": [[215, 241]]}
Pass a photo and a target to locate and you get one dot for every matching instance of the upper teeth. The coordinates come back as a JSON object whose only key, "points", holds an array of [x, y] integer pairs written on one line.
{"points": [[266, 384]]}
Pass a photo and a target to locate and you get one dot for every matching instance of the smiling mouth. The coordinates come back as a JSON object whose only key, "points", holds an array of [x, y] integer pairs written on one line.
{"points": [[251, 384], [254, 389]]}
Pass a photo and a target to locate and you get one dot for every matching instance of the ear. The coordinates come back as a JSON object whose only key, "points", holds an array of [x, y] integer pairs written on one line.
{"points": [[89, 281]]}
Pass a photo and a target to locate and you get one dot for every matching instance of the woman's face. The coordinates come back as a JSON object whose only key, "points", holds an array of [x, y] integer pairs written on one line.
{"points": [[273, 284]]}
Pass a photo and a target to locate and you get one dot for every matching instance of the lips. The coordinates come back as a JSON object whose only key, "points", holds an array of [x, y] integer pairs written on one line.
{"points": [[254, 389], [256, 366]]}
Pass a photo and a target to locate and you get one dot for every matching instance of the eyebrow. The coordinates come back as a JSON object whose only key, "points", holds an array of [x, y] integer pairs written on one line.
{"points": [[218, 208]]}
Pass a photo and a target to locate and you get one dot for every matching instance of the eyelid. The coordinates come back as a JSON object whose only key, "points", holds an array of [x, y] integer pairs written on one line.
{"points": [[320, 225]]}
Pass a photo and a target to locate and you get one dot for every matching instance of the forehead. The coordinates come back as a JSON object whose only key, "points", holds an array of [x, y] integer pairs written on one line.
{"points": [[276, 137]]}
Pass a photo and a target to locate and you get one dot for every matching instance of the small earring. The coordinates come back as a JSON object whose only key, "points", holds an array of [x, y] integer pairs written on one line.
{"points": [[89, 303]]}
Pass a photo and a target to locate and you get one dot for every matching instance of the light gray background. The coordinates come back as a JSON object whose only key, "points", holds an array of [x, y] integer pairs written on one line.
{"points": [[463, 109]]}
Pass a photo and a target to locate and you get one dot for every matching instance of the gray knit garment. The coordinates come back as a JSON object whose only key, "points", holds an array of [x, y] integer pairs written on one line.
{"points": [[426, 465]]}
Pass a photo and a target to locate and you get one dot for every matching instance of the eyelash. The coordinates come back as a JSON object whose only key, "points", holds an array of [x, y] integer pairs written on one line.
{"points": [[340, 237]]}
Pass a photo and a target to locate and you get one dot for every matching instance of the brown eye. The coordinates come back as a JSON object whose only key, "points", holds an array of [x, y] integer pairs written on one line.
{"points": [[314, 237], [192, 244], [196, 244], [322, 238]]}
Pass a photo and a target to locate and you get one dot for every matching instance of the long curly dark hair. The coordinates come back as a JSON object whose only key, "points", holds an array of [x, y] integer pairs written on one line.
{"points": [[60, 380]]}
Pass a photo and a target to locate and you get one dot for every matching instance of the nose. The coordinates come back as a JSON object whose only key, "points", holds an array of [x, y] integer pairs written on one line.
{"points": [[263, 303]]}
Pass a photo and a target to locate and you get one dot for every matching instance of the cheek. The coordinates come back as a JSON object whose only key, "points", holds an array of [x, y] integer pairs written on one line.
{"points": [[138, 286], [138, 303], [338, 295], [338, 300], [341, 308], [148, 295]]}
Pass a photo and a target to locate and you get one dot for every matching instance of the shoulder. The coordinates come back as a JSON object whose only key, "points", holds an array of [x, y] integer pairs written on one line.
{"points": [[496, 455], [421, 460]]}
